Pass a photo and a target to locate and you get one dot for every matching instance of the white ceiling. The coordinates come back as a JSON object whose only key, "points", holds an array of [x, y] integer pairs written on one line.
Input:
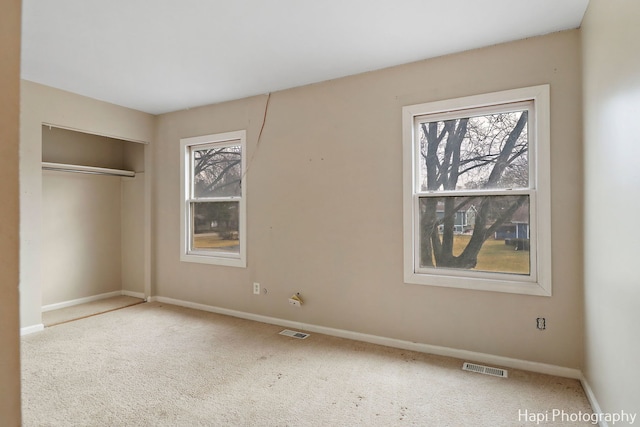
{"points": [[166, 55]]}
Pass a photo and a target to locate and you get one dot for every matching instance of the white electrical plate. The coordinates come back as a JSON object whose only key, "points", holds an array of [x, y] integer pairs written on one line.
{"points": [[294, 302]]}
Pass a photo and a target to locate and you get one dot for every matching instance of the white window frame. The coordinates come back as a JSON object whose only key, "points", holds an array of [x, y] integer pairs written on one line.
{"points": [[539, 192], [187, 146]]}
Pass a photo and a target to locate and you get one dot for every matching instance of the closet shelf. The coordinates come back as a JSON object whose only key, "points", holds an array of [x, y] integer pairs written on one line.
{"points": [[86, 169]]}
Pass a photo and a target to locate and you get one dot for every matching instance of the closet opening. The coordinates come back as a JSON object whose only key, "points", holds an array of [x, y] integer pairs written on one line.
{"points": [[93, 219]]}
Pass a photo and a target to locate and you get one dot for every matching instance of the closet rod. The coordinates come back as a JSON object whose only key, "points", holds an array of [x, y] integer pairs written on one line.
{"points": [[86, 169]]}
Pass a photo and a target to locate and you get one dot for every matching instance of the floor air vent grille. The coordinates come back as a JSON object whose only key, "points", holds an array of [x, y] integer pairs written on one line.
{"points": [[487, 370], [294, 334]]}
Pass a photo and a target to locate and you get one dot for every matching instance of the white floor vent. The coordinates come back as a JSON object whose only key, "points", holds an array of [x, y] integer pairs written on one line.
{"points": [[487, 370], [294, 334]]}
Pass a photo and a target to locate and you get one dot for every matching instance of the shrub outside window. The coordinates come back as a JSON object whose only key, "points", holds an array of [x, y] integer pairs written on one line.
{"points": [[213, 214], [476, 192]]}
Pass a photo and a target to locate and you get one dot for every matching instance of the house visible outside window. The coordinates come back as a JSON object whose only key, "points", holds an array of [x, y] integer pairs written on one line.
{"points": [[476, 192], [213, 212]]}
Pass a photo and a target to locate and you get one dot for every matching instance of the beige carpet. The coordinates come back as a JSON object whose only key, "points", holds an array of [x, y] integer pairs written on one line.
{"points": [[62, 315], [159, 365]]}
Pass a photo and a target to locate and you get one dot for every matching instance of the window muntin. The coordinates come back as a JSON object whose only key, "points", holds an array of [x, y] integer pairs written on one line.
{"points": [[473, 181], [213, 214]]}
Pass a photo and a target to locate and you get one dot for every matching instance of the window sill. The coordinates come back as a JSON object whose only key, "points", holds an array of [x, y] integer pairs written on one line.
{"points": [[491, 285], [214, 260]]}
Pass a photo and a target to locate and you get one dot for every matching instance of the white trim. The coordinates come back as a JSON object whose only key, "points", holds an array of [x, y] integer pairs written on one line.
{"points": [[49, 307], [508, 362], [539, 282], [148, 219], [591, 397], [83, 300], [31, 329], [64, 167], [217, 258], [133, 294]]}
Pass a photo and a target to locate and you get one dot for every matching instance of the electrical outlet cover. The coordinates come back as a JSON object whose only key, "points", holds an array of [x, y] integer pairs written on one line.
{"points": [[294, 302]]}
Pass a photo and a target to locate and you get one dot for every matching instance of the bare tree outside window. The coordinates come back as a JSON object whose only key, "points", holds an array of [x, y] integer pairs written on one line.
{"points": [[463, 161], [213, 212], [217, 175], [217, 171], [477, 192]]}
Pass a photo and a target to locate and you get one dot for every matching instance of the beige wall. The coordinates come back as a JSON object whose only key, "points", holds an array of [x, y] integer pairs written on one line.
{"points": [[44, 105], [9, 213], [610, 37], [325, 206], [78, 148], [81, 243]]}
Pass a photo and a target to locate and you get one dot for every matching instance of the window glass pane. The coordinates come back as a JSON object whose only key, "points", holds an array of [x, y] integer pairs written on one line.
{"points": [[484, 233], [215, 226], [217, 172], [486, 151]]}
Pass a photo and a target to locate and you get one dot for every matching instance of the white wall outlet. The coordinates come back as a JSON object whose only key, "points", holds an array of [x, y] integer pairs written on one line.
{"points": [[256, 288], [294, 302]]}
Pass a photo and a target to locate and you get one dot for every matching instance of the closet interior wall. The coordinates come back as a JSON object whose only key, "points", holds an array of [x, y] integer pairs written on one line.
{"points": [[92, 224]]}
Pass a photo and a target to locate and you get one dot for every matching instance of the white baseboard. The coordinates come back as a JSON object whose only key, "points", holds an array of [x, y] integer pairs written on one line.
{"points": [[84, 300], [31, 329], [36, 328], [140, 295], [91, 298], [591, 397], [525, 365]]}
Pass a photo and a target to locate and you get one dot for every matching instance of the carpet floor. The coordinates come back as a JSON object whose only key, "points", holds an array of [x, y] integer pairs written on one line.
{"points": [[67, 314], [155, 364]]}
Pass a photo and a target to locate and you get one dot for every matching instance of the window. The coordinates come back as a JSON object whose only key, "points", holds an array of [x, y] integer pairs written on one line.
{"points": [[476, 192], [213, 213]]}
